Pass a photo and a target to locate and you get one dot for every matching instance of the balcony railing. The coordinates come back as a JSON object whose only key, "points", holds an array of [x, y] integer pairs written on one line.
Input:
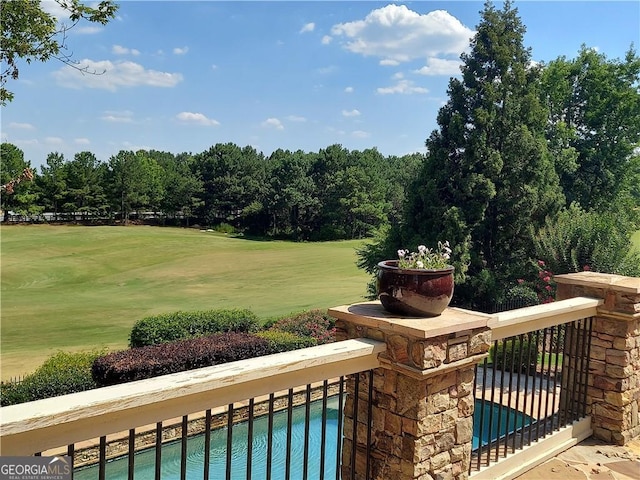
{"points": [[98, 417], [534, 383], [536, 378]]}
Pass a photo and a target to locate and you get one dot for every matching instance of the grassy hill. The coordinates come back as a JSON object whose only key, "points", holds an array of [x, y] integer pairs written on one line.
{"points": [[76, 288]]}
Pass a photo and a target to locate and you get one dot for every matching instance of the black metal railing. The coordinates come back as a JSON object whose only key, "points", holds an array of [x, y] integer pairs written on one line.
{"points": [[207, 444], [530, 386]]}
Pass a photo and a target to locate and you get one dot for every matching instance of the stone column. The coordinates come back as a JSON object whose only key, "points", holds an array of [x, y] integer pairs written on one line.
{"points": [[423, 399], [613, 393]]}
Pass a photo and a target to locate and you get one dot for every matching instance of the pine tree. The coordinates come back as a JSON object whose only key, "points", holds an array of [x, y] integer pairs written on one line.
{"points": [[488, 176]]}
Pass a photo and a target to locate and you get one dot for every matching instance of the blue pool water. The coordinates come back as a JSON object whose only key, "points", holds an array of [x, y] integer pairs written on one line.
{"points": [[516, 420], [145, 460]]}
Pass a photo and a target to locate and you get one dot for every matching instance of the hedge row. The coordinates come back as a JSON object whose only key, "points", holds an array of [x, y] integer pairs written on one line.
{"points": [[284, 341], [155, 360], [169, 327], [60, 374], [160, 346], [316, 324]]}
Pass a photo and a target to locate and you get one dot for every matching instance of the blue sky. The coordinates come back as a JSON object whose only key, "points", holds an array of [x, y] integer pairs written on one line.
{"points": [[183, 76]]}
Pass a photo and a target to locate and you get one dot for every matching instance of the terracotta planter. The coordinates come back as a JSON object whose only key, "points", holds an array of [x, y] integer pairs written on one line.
{"points": [[419, 292]]}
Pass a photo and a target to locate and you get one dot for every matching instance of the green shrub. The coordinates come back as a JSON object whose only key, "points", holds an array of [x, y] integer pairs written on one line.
{"points": [[170, 327], [524, 354], [61, 374], [577, 240], [518, 296], [522, 294], [280, 341], [12, 393], [165, 358], [225, 228], [316, 324]]}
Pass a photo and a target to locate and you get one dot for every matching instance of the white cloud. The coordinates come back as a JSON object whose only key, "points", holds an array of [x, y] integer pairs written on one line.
{"points": [[111, 76], [309, 27], [350, 113], [117, 117], [61, 16], [360, 134], [54, 141], [81, 141], [21, 126], [326, 40], [405, 87], [398, 76], [197, 118], [296, 118], [54, 9], [440, 66], [273, 123], [120, 50], [134, 147], [397, 34], [387, 62], [180, 51], [348, 90]]}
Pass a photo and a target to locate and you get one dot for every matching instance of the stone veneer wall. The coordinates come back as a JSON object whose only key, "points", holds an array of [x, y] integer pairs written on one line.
{"points": [[613, 393], [423, 401]]}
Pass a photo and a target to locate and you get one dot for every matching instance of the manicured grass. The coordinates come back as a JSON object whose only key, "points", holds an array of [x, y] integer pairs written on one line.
{"points": [[77, 288], [550, 360], [636, 240]]}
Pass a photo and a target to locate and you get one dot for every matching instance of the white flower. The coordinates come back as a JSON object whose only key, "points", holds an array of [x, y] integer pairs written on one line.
{"points": [[426, 258]]}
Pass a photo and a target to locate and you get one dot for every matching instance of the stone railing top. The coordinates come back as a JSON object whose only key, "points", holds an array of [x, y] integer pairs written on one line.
{"points": [[607, 281], [372, 314]]}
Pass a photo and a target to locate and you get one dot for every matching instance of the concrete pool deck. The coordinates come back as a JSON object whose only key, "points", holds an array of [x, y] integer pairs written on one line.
{"points": [[591, 460]]}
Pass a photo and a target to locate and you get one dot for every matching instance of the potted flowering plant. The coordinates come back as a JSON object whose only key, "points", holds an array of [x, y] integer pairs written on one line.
{"points": [[425, 257], [418, 283]]}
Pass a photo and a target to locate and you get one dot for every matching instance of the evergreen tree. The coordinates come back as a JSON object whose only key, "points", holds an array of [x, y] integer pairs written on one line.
{"points": [[85, 182], [53, 184], [488, 175], [17, 193]]}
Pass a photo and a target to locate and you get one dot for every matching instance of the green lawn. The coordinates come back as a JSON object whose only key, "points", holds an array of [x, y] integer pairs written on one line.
{"points": [[76, 288], [636, 240]]}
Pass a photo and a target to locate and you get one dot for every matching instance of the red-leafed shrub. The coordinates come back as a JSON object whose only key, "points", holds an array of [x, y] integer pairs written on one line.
{"points": [[155, 360]]}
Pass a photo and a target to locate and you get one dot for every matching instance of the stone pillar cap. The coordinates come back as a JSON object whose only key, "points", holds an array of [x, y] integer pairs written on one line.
{"points": [[607, 281], [372, 314]]}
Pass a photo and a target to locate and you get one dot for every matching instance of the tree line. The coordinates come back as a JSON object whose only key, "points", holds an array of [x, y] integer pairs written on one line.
{"points": [[332, 194], [529, 160]]}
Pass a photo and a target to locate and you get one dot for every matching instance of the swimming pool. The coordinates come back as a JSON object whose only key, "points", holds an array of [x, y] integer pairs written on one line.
{"points": [[510, 420], [145, 460]]}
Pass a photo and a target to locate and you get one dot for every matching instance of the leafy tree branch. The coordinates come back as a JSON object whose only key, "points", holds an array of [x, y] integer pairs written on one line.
{"points": [[29, 33]]}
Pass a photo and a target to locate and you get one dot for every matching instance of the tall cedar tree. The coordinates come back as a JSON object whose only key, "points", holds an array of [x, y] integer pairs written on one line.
{"points": [[488, 176]]}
